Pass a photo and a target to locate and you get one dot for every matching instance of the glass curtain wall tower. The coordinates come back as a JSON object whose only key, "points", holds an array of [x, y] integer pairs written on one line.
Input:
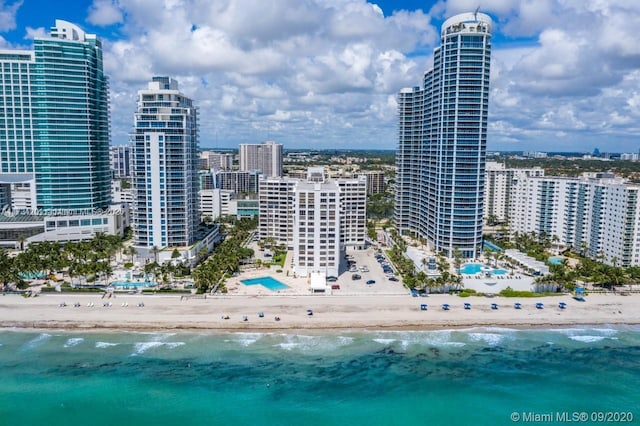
{"points": [[165, 167], [54, 126], [71, 145], [442, 141]]}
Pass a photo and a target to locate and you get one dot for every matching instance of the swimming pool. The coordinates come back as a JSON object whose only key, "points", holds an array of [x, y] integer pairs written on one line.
{"points": [[555, 260], [476, 268], [127, 284], [268, 282]]}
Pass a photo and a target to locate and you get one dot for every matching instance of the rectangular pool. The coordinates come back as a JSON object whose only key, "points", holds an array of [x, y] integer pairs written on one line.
{"points": [[268, 282]]}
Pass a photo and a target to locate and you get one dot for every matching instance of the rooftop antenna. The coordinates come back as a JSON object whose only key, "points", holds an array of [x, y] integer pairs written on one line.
{"points": [[475, 14]]}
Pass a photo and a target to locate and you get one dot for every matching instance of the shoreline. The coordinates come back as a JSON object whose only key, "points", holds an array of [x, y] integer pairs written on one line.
{"points": [[359, 313]]}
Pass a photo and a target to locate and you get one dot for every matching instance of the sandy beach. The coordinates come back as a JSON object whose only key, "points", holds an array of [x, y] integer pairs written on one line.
{"points": [[393, 312]]}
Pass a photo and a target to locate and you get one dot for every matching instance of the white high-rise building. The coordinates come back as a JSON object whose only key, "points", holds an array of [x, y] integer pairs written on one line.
{"points": [[266, 157], [317, 218], [599, 214], [276, 209], [499, 186], [316, 228], [165, 176]]}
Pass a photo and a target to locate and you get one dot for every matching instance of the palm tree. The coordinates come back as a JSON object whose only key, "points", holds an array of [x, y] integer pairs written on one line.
{"points": [[155, 251], [131, 250], [8, 273], [21, 241]]}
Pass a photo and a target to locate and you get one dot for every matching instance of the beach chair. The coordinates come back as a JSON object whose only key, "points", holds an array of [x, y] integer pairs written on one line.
{"points": [[517, 305], [562, 305], [494, 306], [423, 307], [539, 305], [261, 314], [467, 306], [414, 293], [309, 312], [445, 306]]}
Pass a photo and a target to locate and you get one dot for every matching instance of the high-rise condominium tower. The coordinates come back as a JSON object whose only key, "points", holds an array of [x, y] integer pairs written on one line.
{"points": [[54, 121], [266, 156], [165, 167], [442, 141]]}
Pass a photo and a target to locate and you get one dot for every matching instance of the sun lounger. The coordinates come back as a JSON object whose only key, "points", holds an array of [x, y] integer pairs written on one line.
{"points": [[494, 306], [539, 305], [445, 306], [467, 306], [517, 305], [423, 307]]}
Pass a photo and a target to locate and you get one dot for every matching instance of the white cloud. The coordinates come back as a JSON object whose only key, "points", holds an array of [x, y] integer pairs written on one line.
{"points": [[8, 15], [105, 12], [326, 72], [32, 33]]}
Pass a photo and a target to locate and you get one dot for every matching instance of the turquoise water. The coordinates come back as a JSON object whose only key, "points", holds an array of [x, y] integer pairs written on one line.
{"points": [[476, 268], [476, 376], [555, 260], [133, 284], [268, 282], [32, 275]]}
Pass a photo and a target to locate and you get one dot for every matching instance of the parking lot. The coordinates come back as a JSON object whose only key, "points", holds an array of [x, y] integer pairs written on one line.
{"points": [[369, 269]]}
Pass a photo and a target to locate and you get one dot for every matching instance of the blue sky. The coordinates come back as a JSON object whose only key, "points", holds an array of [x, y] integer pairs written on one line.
{"points": [[565, 74]]}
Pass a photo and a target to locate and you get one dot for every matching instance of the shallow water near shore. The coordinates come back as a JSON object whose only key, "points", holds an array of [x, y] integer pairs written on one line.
{"points": [[469, 376]]}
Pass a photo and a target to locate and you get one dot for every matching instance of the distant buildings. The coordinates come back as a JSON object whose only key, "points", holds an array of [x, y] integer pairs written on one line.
{"points": [[266, 157], [375, 181], [442, 141], [165, 180], [238, 181], [499, 186], [120, 161], [216, 160], [318, 218], [534, 154]]}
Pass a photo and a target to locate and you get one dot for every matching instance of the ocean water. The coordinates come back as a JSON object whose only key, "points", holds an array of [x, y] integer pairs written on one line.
{"points": [[453, 377]]}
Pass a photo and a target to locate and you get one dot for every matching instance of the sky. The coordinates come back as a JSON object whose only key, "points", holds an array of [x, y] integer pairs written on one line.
{"points": [[315, 74]]}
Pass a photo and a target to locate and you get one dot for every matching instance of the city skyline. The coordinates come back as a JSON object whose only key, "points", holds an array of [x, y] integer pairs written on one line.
{"points": [[325, 74]]}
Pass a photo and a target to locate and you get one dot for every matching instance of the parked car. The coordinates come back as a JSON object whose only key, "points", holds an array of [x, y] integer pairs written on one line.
{"points": [[332, 279], [394, 278], [335, 287], [371, 282], [356, 276]]}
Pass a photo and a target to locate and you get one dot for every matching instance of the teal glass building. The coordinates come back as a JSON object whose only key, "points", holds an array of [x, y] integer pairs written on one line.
{"points": [[442, 139], [55, 120]]}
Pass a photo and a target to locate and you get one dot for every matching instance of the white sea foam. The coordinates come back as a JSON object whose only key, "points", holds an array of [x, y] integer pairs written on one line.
{"points": [[142, 347], [587, 339], [102, 345], [313, 344], [37, 341], [246, 339], [384, 341], [74, 341], [491, 339]]}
